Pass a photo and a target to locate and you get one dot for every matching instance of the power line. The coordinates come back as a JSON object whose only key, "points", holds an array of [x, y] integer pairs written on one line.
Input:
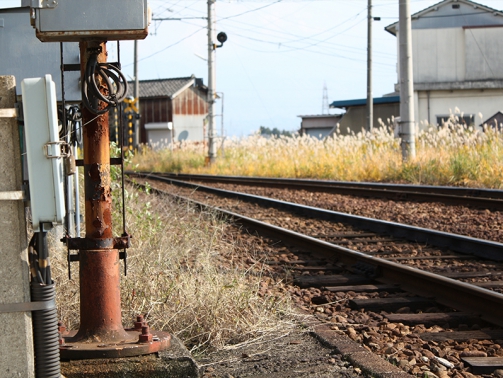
{"points": [[311, 51], [294, 48], [167, 47], [256, 91], [287, 43], [250, 11], [300, 38], [316, 42]]}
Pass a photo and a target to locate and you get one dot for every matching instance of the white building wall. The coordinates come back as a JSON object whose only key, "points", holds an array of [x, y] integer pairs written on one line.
{"points": [[483, 53], [159, 139], [441, 103], [438, 55], [319, 132], [189, 127]]}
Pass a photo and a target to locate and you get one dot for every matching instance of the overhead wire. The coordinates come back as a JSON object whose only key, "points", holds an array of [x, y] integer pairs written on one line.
{"points": [[316, 52], [336, 48], [325, 43], [167, 47], [251, 10], [254, 88], [316, 42]]}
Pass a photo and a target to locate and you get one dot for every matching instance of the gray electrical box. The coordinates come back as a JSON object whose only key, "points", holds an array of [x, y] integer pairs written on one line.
{"points": [[79, 20], [45, 166]]}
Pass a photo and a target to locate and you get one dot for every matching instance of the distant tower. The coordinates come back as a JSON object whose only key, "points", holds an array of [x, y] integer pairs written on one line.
{"points": [[324, 106]]}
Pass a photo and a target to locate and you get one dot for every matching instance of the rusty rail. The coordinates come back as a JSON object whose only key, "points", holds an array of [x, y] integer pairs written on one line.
{"points": [[476, 197], [447, 291]]}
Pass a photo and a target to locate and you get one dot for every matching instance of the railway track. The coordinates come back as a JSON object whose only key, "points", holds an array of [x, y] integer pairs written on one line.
{"points": [[475, 197], [372, 273]]}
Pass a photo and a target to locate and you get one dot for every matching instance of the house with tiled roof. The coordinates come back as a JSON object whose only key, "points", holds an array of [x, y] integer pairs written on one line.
{"points": [[172, 108], [457, 61]]}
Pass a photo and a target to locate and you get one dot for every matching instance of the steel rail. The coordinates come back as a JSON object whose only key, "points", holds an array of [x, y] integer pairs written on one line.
{"points": [[449, 292], [482, 198], [458, 243]]}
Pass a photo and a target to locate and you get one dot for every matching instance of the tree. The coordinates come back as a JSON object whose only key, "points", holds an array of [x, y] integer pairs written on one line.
{"points": [[266, 131]]}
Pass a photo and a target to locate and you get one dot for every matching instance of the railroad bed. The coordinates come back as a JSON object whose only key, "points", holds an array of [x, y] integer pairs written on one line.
{"points": [[361, 298], [484, 198]]}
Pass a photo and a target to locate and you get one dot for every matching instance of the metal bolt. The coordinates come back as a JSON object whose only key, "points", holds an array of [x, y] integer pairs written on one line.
{"points": [[140, 322], [146, 336], [61, 328]]}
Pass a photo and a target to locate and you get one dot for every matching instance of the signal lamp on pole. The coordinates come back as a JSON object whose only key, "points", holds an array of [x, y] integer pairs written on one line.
{"points": [[221, 37]]}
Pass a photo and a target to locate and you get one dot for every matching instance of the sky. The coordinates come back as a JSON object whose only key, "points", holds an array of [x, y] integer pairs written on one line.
{"points": [[279, 56]]}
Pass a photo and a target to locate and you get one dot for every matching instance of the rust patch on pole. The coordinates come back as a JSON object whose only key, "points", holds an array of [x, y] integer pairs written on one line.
{"points": [[100, 305]]}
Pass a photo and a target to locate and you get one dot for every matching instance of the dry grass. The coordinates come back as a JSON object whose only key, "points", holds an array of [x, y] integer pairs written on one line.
{"points": [[185, 274], [450, 155]]}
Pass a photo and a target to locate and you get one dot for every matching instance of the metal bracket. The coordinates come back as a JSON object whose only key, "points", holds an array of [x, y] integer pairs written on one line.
{"points": [[27, 306], [63, 151], [120, 242], [40, 4]]}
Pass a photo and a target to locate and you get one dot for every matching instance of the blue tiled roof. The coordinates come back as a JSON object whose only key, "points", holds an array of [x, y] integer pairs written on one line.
{"points": [[363, 101]]}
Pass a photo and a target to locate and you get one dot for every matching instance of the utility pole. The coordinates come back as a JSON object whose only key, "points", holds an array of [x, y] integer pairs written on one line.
{"points": [[370, 105], [407, 124], [136, 96], [100, 310], [100, 329], [222, 131], [212, 151]]}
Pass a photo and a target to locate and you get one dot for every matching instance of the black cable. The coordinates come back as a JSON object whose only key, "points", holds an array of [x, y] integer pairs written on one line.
{"points": [[45, 322], [75, 118], [38, 253], [108, 76], [33, 259]]}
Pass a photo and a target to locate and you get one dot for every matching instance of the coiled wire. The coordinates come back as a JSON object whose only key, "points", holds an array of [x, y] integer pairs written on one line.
{"points": [[45, 333], [74, 118], [107, 75], [45, 322]]}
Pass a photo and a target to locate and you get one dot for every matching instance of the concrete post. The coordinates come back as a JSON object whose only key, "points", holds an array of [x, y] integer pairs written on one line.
{"points": [[16, 348], [370, 103], [407, 123], [212, 149]]}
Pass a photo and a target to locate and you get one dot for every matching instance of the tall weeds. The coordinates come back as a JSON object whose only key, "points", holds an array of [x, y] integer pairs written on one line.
{"points": [[453, 154], [184, 274]]}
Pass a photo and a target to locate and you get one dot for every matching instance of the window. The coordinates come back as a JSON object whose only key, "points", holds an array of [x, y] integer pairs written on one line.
{"points": [[465, 119]]}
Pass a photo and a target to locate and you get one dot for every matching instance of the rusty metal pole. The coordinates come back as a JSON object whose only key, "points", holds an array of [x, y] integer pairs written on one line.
{"points": [[100, 305], [101, 334]]}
